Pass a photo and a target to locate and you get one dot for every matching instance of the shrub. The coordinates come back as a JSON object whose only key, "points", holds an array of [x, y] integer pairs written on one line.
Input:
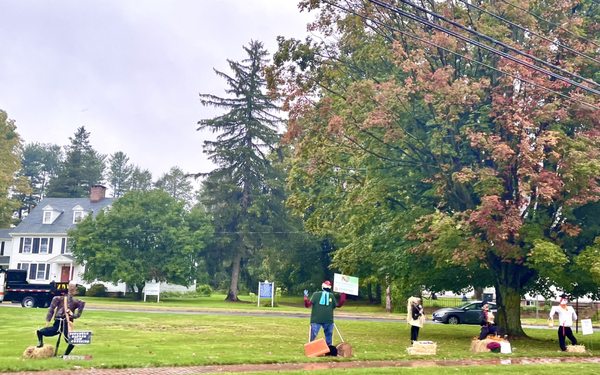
{"points": [[81, 290], [97, 290], [204, 290]]}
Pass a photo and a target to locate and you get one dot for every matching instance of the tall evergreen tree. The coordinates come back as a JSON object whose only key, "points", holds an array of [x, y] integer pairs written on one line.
{"points": [[40, 163], [119, 173], [141, 179], [247, 133], [177, 184], [82, 168]]}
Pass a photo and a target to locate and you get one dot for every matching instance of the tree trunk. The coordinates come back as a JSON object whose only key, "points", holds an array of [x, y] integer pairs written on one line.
{"points": [[388, 299], [510, 279], [508, 318], [478, 292], [232, 295]]}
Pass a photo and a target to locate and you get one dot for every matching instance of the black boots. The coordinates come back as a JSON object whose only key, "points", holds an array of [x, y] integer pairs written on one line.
{"points": [[40, 339], [69, 348]]}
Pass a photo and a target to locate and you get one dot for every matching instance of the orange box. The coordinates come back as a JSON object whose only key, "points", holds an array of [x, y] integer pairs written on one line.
{"points": [[316, 348]]}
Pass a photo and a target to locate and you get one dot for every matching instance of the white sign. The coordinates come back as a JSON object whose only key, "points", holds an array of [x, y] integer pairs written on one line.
{"points": [[152, 289], [345, 284], [586, 326]]}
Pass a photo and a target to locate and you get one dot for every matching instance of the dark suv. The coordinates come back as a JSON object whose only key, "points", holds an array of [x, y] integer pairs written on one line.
{"points": [[467, 313]]}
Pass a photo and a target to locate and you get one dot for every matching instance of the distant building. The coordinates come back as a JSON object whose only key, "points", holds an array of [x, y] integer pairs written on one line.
{"points": [[40, 244]]}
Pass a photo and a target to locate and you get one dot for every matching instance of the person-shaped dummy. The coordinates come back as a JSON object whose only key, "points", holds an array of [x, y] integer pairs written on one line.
{"points": [[566, 316], [321, 314], [64, 309], [488, 327]]}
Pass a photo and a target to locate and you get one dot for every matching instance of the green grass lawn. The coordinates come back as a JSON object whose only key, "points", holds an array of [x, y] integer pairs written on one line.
{"points": [[571, 368], [128, 339]]}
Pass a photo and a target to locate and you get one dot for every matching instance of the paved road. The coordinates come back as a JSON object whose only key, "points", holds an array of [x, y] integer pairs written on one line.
{"points": [[339, 315]]}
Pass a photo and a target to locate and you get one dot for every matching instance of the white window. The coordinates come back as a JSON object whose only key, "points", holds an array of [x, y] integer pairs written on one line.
{"points": [[27, 245], [41, 271], [47, 217], [43, 246], [77, 216], [68, 247]]}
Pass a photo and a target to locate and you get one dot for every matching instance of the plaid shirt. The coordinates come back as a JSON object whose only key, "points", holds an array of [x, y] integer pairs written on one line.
{"points": [[76, 306]]}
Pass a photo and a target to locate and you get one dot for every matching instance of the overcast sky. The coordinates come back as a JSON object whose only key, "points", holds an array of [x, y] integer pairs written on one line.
{"points": [[128, 70]]}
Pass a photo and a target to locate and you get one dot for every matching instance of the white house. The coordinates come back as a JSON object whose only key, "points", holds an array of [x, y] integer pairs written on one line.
{"points": [[5, 248], [40, 244]]}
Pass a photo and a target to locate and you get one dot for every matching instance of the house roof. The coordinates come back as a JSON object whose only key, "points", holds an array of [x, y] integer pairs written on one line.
{"points": [[4, 233], [32, 224]]}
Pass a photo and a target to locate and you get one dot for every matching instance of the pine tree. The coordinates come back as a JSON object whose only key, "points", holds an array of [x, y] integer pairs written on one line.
{"points": [[247, 134], [82, 168], [177, 184], [119, 173], [39, 165], [141, 179]]}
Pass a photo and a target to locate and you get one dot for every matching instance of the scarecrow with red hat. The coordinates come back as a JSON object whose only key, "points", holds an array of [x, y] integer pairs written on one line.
{"points": [[566, 316], [321, 315]]}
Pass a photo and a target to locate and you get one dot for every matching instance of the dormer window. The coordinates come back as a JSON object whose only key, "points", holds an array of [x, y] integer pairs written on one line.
{"points": [[49, 215], [78, 214]]}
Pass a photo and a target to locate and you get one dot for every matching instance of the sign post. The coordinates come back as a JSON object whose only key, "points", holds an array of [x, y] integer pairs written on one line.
{"points": [[266, 289], [152, 289], [345, 284]]}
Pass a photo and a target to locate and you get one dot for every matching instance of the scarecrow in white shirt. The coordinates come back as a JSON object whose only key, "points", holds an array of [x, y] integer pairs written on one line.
{"points": [[566, 316]]}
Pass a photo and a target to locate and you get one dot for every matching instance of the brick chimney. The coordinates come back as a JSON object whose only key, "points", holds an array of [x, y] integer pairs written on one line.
{"points": [[97, 193]]}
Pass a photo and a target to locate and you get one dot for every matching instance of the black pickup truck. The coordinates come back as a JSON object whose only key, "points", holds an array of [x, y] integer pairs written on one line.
{"points": [[15, 288]]}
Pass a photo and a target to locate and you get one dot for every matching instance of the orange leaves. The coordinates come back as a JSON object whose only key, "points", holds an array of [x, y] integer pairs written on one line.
{"points": [[499, 221], [549, 186]]}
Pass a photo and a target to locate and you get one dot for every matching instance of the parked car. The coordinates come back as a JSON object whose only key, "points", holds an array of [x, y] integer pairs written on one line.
{"points": [[467, 313]]}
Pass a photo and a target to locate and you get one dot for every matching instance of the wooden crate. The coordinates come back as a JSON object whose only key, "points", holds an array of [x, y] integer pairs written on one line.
{"points": [[316, 348]]}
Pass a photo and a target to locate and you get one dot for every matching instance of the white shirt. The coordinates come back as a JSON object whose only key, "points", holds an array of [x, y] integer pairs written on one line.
{"points": [[565, 316]]}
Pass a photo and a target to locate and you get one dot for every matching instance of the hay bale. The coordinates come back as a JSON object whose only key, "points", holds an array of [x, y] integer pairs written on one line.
{"points": [[33, 352], [576, 348], [480, 346], [422, 348], [344, 349]]}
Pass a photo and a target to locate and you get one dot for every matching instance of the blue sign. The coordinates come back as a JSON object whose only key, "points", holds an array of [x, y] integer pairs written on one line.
{"points": [[265, 290]]}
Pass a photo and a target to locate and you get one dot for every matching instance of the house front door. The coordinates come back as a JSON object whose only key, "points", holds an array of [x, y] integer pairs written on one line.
{"points": [[65, 274]]}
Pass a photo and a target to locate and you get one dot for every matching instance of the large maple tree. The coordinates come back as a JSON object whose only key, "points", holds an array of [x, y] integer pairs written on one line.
{"points": [[413, 144]]}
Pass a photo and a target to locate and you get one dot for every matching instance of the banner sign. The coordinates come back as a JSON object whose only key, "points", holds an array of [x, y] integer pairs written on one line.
{"points": [[80, 337], [586, 326], [345, 284]]}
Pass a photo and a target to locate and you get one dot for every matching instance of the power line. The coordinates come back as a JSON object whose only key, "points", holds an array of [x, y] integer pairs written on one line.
{"points": [[483, 46], [549, 22], [555, 42], [411, 35], [490, 39]]}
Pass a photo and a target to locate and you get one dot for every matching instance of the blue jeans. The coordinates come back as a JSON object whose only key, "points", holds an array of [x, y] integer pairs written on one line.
{"points": [[327, 329]]}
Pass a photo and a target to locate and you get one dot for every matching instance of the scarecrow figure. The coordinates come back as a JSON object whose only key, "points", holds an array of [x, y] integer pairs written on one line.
{"points": [[321, 315], [64, 309]]}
